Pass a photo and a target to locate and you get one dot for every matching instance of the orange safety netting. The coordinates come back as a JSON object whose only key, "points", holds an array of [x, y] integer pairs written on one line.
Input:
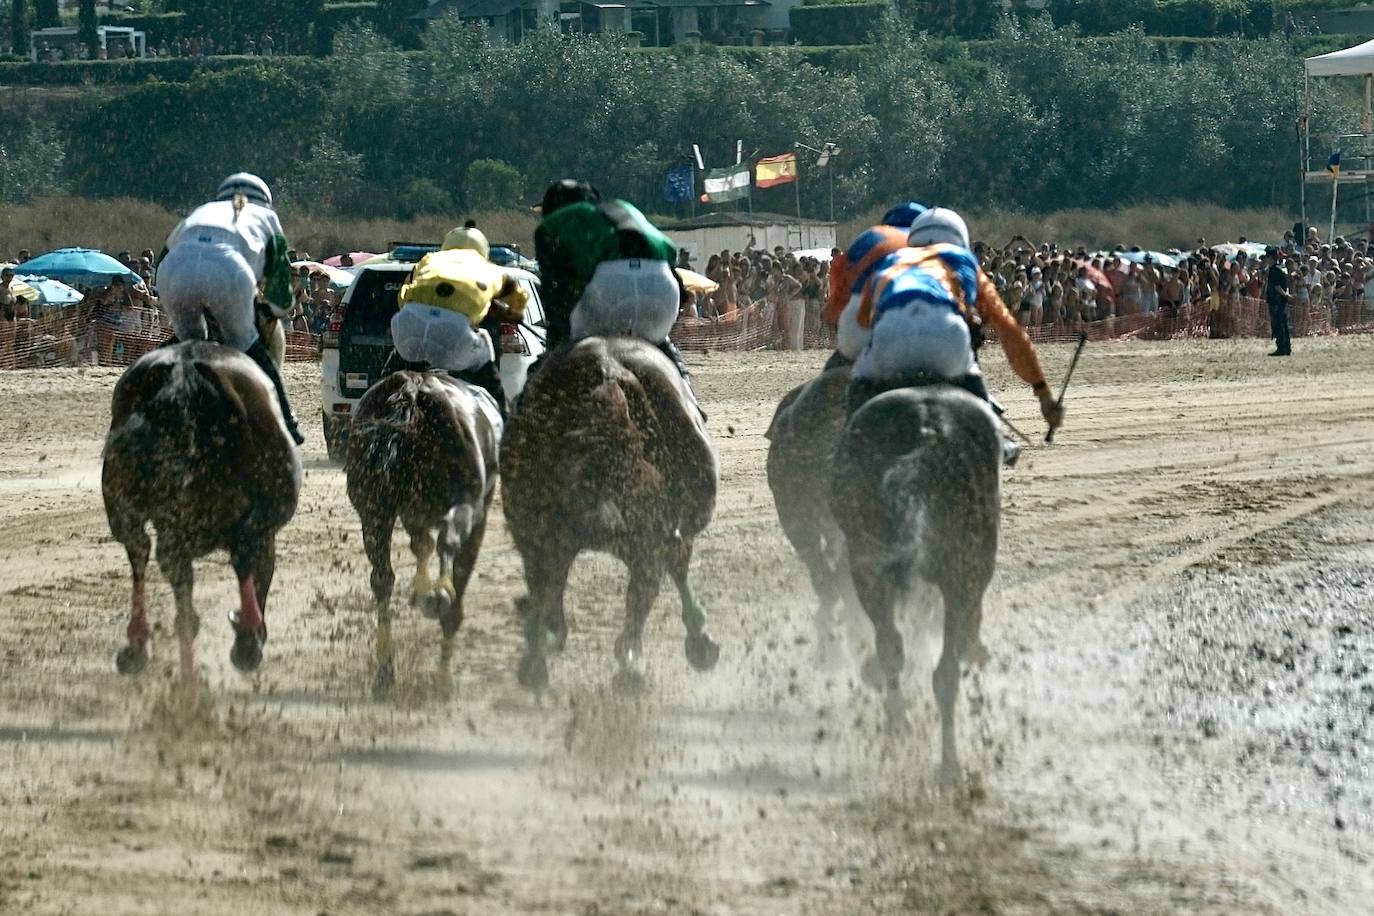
{"points": [[66, 339]]}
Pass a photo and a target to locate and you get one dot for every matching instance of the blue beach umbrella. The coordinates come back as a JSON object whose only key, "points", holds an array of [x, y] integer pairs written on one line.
{"points": [[85, 266]]}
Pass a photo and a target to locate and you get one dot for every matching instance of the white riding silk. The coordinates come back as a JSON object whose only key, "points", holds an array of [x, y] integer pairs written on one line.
{"points": [[918, 337], [445, 339], [215, 259], [633, 296]]}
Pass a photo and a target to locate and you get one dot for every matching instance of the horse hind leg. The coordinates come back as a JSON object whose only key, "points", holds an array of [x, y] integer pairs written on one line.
{"points": [[254, 561], [702, 651], [422, 588], [377, 545], [878, 591], [134, 656], [646, 577], [182, 578], [457, 559], [961, 625], [545, 625]]}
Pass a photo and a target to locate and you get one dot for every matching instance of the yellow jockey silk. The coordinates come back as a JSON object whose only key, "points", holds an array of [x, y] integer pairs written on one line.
{"points": [[462, 281]]}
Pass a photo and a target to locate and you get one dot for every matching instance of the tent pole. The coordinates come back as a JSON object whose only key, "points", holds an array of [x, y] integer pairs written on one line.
{"points": [[1303, 151], [1368, 89]]}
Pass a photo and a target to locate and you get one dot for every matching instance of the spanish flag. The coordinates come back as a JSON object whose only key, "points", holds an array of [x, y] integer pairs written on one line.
{"points": [[1333, 165], [776, 170]]}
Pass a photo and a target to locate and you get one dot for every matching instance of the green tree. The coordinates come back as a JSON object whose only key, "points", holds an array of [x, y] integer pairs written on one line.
{"points": [[493, 185], [31, 161], [86, 29], [46, 14], [19, 26]]}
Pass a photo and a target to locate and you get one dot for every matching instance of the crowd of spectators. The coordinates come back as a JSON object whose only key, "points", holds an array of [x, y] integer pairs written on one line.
{"points": [[1047, 285], [92, 331], [754, 285]]}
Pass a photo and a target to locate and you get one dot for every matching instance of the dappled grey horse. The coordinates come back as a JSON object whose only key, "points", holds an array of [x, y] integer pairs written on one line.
{"points": [[916, 489]]}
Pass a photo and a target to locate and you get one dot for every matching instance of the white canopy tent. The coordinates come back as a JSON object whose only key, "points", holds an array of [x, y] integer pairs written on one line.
{"points": [[1356, 61]]}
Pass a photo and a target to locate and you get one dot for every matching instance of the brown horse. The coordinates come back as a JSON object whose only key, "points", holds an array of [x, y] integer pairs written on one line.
{"points": [[608, 453], [916, 491], [421, 450], [802, 437], [197, 448]]}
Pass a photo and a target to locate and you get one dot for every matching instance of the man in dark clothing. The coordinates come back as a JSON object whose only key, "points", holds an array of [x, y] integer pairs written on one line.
{"points": [[1277, 295]]}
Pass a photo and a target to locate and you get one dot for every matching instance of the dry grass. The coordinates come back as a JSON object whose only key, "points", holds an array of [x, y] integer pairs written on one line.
{"points": [[121, 223], [1157, 226], [116, 224]]}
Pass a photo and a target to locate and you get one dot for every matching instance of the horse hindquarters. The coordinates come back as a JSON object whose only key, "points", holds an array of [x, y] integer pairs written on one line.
{"points": [[917, 492]]}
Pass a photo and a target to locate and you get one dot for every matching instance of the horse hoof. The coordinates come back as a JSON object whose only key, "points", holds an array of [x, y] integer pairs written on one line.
{"points": [[247, 652], [383, 681], [131, 659], [628, 682], [872, 673], [533, 672], [898, 722], [702, 652], [234, 622], [950, 774], [436, 604], [555, 638]]}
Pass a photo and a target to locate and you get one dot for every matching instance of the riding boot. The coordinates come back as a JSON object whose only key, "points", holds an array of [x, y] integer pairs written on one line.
{"points": [[258, 354], [670, 350]]}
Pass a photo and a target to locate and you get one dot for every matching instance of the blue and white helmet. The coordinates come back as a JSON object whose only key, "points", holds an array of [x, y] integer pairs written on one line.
{"points": [[253, 188], [939, 225]]}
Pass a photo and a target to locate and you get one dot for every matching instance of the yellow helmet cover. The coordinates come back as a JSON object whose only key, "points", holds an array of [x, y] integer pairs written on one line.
{"points": [[458, 280]]}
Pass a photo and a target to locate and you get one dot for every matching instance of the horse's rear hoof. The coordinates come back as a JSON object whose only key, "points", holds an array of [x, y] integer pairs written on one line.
{"points": [[436, 604], [628, 682], [533, 672], [702, 652], [383, 681], [131, 659], [247, 652], [872, 673]]}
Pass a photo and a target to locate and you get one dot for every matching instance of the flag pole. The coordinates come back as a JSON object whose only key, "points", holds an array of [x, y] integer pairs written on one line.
{"points": [[1335, 193]]}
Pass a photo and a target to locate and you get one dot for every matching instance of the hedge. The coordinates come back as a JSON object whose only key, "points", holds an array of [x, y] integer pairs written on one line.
{"points": [[837, 24], [165, 69]]}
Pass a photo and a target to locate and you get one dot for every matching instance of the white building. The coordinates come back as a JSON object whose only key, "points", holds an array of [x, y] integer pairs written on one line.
{"points": [[713, 233], [650, 22]]}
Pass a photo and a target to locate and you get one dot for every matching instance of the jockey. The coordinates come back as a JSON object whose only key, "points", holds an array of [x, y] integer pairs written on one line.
{"points": [[851, 270], [921, 310], [606, 270], [217, 260], [449, 318]]}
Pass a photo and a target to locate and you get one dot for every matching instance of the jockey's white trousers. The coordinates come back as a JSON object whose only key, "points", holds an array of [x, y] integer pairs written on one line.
{"points": [[634, 296], [198, 277], [918, 337], [441, 337]]}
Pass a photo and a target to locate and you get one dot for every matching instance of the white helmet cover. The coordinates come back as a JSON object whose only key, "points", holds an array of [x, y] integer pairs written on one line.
{"points": [[249, 185], [939, 225]]}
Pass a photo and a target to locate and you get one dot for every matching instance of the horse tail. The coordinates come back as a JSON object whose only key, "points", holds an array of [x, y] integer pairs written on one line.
{"points": [[937, 459], [179, 436]]}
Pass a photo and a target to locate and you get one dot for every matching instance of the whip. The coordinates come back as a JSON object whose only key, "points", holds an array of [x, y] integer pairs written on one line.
{"points": [[1073, 364]]}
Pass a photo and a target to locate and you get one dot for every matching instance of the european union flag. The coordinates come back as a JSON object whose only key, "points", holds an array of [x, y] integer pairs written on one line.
{"points": [[680, 185], [1333, 165]]}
